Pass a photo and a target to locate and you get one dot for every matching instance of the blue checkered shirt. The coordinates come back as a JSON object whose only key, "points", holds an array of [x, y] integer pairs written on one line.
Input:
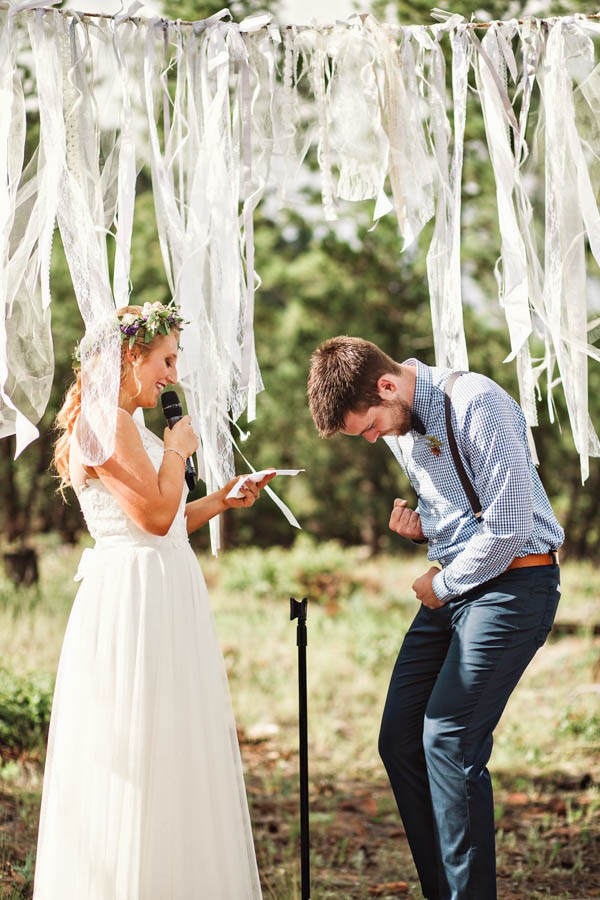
{"points": [[491, 434]]}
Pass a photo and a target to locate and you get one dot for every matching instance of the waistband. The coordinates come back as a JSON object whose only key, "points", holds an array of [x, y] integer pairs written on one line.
{"points": [[534, 559], [95, 556], [145, 542]]}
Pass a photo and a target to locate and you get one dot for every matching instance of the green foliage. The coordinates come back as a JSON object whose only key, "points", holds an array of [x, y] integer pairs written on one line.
{"points": [[582, 726], [18, 599], [26, 870], [25, 703], [319, 570]]}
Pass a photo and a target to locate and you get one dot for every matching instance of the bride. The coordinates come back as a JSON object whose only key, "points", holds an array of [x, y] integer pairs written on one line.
{"points": [[143, 795]]}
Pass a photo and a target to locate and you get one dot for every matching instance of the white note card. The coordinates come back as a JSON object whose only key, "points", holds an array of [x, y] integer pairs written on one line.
{"points": [[236, 490]]}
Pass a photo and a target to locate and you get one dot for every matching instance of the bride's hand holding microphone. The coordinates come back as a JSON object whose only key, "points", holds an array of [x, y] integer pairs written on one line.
{"points": [[181, 438]]}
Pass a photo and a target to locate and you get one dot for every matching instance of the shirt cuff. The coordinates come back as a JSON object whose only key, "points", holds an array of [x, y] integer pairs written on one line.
{"points": [[439, 587]]}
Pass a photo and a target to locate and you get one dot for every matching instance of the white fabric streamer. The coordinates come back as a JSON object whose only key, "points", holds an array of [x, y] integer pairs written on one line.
{"points": [[127, 164], [443, 258], [197, 178], [570, 214], [356, 134], [293, 118], [82, 223], [411, 167], [518, 271], [26, 224], [320, 76]]}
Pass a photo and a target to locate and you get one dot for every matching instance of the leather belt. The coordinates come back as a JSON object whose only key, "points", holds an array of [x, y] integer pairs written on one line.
{"points": [[535, 559]]}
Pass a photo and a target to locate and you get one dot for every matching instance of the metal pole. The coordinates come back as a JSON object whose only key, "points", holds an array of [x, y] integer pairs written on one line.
{"points": [[298, 610]]}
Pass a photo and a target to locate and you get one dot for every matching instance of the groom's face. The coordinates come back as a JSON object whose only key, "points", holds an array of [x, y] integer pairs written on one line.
{"points": [[392, 416]]}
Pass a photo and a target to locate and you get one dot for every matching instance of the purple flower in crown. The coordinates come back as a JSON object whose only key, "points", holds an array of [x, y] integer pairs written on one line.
{"points": [[130, 325]]}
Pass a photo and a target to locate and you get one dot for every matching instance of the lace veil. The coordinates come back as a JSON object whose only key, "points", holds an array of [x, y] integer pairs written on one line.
{"points": [[100, 352]]}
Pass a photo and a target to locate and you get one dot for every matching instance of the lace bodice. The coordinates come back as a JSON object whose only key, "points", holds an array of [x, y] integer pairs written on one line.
{"points": [[107, 522]]}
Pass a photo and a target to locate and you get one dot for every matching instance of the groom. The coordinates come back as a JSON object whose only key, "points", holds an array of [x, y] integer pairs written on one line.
{"points": [[485, 609]]}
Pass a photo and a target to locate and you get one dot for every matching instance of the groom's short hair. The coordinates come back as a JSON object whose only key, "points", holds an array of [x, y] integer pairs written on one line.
{"points": [[343, 377]]}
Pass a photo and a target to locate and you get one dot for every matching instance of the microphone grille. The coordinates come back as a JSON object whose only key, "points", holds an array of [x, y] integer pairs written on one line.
{"points": [[171, 404]]}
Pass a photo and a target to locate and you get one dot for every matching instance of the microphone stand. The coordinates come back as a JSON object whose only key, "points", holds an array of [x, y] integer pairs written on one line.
{"points": [[298, 610]]}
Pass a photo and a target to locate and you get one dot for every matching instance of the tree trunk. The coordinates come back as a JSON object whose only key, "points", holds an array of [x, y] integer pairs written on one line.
{"points": [[369, 531], [13, 524], [21, 566]]}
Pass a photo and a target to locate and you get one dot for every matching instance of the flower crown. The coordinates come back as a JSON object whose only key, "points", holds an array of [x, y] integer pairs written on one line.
{"points": [[155, 318]]}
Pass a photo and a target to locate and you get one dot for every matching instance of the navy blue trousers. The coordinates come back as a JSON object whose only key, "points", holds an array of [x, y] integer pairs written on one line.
{"points": [[456, 669]]}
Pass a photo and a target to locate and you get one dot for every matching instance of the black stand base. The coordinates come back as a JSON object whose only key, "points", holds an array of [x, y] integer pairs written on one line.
{"points": [[298, 610]]}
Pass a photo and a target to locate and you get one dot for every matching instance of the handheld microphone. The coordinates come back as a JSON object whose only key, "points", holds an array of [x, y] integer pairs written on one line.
{"points": [[173, 413]]}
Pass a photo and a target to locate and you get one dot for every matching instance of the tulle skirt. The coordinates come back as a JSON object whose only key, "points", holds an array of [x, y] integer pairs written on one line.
{"points": [[143, 794]]}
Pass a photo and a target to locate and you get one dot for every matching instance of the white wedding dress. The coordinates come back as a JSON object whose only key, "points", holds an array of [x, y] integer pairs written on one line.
{"points": [[143, 794]]}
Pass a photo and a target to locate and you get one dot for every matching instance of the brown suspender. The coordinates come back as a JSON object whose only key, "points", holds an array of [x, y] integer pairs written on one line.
{"points": [[460, 469]]}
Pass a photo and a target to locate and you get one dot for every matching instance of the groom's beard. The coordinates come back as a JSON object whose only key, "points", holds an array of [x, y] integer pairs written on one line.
{"points": [[401, 421]]}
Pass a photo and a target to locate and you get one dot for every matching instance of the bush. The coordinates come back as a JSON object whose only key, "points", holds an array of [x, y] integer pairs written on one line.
{"points": [[321, 571], [25, 704]]}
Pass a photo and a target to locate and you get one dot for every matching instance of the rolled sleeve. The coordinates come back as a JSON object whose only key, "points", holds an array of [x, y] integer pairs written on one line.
{"points": [[440, 589]]}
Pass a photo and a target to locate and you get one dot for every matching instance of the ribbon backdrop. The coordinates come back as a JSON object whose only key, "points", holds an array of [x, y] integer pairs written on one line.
{"points": [[220, 112]]}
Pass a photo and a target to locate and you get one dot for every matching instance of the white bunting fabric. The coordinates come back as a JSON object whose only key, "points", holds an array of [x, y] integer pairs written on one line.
{"points": [[222, 112]]}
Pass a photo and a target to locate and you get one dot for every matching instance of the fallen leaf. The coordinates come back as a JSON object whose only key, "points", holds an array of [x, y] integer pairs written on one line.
{"points": [[390, 887]]}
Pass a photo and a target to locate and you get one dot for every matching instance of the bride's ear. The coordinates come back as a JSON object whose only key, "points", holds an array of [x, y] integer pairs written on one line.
{"points": [[132, 356]]}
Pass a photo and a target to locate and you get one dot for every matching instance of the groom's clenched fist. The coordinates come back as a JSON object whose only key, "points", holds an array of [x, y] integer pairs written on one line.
{"points": [[406, 522]]}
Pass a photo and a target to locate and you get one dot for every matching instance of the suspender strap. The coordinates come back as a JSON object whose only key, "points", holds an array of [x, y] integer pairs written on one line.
{"points": [[460, 469]]}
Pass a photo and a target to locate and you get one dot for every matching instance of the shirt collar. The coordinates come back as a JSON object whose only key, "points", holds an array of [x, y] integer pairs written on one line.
{"points": [[422, 398]]}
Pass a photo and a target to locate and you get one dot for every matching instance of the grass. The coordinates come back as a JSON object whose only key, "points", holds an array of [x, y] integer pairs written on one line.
{"points": [[546, 761]]}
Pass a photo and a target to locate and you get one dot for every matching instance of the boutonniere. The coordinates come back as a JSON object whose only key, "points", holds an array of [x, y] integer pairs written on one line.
{"points": [[434, 444]]}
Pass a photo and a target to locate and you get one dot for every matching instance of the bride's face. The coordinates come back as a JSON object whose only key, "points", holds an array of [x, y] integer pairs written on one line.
{"points": [[151, 372]]}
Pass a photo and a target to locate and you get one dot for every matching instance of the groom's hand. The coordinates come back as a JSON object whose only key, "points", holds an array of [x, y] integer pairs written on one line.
{"points": [[406, 522], [423, 588]]}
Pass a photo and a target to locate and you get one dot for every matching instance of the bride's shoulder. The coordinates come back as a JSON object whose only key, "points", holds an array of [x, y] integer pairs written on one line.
{"points": [[133, 437], [127, 430], [124, 419]]}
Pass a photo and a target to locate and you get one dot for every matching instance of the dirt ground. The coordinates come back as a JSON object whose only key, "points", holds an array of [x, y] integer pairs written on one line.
{"points": [[548, 837]]}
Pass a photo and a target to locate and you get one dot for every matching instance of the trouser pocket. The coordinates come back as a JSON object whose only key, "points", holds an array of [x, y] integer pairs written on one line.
{"points": [[548, 616]]}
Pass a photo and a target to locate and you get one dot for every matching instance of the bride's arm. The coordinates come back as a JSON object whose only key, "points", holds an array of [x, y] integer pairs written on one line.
{"points": [[199, 512], [151, 499]]}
